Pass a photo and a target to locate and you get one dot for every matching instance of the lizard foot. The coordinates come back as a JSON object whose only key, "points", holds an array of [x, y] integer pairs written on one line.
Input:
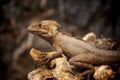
{"points": [[43, 58]]}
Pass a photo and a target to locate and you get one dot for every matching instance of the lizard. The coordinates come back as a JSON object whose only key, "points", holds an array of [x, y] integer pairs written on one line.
{"points": [[80, 52]]}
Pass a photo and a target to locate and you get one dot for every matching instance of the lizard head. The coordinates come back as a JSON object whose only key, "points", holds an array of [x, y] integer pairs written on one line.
{"points": [[45, 28]]}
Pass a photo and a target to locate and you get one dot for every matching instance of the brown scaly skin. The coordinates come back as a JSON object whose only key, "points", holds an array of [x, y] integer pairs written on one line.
{"points": [[80, 52]]}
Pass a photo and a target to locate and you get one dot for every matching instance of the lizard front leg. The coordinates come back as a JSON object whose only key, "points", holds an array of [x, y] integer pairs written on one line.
{"points": [[44, 57], [58, 53]]}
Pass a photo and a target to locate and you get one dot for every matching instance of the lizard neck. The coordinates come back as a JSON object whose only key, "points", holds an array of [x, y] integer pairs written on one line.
{"points": [[53, 38]]}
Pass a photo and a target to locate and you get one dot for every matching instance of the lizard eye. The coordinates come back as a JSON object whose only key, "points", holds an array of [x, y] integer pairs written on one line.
{"points": [[39, 25]]}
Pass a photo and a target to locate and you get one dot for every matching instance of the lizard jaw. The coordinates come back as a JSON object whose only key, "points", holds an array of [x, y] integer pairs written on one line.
{"points": [[30, 29], [40, 32], [34, 31]]}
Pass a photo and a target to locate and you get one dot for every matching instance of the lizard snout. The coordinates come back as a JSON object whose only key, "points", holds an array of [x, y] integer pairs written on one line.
{"points": [[29, 28]]}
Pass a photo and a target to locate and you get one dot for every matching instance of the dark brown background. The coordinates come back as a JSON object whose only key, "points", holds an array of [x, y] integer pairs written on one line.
{"points": [[75, 16]]}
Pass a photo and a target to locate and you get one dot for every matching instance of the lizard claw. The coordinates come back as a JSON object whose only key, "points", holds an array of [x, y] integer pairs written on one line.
{"points": [[43, 58]]}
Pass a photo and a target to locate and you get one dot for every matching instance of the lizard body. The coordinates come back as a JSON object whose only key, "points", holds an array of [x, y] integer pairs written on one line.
{"points": [[70, 44], [79, 51], [74, 47]]}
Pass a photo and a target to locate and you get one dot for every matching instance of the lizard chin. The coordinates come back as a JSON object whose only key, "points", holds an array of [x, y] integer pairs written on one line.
{"points": [[47, 37]]}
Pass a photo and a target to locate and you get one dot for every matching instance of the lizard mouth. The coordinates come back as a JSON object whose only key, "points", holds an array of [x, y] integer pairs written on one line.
{"points": [[42, 31], [39, 32]]}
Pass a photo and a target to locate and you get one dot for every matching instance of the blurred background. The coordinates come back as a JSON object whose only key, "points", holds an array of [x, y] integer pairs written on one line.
{"points": [[77, 17]]}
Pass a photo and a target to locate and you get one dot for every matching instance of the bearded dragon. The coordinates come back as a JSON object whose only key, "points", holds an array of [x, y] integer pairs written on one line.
{"points": [[79, 51]]}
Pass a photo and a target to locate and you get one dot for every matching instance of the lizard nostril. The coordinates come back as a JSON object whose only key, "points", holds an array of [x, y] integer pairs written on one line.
{"points": [[28, 28]]}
